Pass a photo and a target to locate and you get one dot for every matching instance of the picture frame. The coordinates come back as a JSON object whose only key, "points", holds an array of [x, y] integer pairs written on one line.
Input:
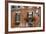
{"points": [[8, 18]]}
